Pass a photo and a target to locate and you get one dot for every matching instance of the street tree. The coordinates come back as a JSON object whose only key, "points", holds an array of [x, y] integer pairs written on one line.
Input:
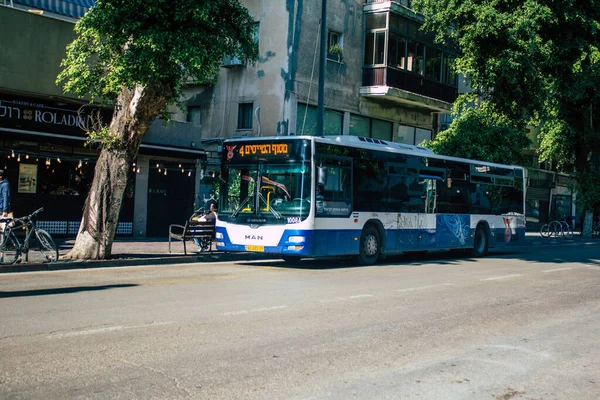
{"points": [[481, 133], [537, 62], [138, 55]]}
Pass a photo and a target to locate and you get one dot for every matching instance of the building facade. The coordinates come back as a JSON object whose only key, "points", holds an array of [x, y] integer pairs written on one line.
{"points": [[43, 146], [384, 78]]}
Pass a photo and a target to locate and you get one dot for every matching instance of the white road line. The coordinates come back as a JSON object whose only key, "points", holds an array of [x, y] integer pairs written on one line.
{"points": [[557, 269], [424, 287], [354, 297], [496, 278], [105, 330], [242, 312]]}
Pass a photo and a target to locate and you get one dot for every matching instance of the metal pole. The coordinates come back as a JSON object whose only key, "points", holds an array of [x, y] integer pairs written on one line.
{"points": [[322, 67]]}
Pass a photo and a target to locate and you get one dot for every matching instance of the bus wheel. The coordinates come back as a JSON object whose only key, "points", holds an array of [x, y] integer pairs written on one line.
{"points": [[370, 246], [290, 259], [480, 243]]}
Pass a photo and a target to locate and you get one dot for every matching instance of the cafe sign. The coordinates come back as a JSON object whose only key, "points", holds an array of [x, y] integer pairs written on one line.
{"points": [[22, 113]]}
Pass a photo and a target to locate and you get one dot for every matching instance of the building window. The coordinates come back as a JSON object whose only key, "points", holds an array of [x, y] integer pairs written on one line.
{"points": [[306, 121], [333, 39], [411, 135], [244, 116], [381, 129], [194, 116]]}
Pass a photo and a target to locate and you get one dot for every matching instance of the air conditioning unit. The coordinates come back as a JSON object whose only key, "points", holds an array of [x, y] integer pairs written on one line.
{"points": [[232, 62]]}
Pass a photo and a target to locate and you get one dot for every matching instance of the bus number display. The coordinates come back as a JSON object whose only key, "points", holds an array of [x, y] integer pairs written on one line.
{"points": [[269, 149]]}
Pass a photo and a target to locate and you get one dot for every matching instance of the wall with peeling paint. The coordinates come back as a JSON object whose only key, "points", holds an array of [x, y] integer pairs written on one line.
{"points": [[287, 73]]}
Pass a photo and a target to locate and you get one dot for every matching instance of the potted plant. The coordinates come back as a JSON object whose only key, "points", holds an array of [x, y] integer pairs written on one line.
{"points": [[334, 52]]}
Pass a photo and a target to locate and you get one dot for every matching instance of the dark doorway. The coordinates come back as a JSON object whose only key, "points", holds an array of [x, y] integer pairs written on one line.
{"points": [[170, 196]]}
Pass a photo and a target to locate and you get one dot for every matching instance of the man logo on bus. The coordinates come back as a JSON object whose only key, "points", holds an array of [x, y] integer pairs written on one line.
{"points": [[230, 152], [253, 237], [507, 231]]}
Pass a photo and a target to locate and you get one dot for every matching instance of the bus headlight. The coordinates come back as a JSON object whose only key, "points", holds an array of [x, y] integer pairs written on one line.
{"points": [[296, 239], [218, 235]]}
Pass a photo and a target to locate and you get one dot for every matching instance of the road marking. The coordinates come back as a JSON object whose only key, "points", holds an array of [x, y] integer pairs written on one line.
{"points": [[557, 269], [241, 312], [424, 287], [496, 278], [105, 330], [354, 297]]}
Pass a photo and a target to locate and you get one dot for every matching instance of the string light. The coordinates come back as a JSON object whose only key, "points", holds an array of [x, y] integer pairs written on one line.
{"points": [[159, 170], [13, 154], [182, 171], [189, 173], [157, 166], [138, 170], [165, 171], [47, 161], [79, 166], [27, 156], [58, 159], [179, 165], [19, 158]]}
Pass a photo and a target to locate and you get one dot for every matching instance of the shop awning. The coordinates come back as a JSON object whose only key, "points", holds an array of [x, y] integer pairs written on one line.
{"points": [[71, 8]]}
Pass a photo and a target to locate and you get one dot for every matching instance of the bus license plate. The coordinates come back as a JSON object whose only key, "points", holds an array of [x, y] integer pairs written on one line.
{"points": [[256, 248]]}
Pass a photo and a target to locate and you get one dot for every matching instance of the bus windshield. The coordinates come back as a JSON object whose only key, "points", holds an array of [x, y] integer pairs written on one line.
{"points": [[275, 191]]}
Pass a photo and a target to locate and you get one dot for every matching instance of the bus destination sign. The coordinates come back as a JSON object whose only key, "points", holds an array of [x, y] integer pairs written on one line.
{"points": [[267, 149], [245, 151]]}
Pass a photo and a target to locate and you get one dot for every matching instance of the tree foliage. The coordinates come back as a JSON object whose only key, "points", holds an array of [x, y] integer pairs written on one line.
{"points": [[139, 54], [535, 61], [482, 133], [124, 43]]}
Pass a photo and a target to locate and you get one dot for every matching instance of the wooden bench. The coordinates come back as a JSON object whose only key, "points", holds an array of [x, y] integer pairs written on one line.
{"points": [[204, 231]]}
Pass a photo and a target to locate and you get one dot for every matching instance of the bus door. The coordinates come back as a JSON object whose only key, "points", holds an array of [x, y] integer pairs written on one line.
{"points": [[333, 205], [417, 219]]}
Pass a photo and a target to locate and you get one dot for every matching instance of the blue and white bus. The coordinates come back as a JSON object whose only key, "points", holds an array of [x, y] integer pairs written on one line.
{"points": [[300, 197]]}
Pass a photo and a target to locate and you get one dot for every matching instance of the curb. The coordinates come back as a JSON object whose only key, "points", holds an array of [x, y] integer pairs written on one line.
{"points": [[133, 262], [215, 256]]}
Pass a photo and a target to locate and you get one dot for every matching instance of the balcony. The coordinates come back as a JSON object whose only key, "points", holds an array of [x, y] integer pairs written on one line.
{"points": [[407, 87], [405, 3]]}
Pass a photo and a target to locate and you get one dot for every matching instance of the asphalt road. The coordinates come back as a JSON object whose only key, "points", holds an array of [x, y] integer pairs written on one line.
{"points": [[521, 325]]}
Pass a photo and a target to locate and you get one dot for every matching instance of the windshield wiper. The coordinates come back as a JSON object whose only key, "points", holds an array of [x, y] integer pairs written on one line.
{"points": [[276, 213], [243, 203]]}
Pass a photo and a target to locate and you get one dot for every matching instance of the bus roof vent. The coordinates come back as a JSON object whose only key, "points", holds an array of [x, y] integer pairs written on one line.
{"points": [[371, 140]]}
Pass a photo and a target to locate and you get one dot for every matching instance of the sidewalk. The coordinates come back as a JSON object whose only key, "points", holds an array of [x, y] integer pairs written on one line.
{"points": [[155, 251], [132, 252]]}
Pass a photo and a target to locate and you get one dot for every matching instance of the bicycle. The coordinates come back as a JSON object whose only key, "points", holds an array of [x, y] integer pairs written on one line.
{"points": [[556, 228], [11, 248]]}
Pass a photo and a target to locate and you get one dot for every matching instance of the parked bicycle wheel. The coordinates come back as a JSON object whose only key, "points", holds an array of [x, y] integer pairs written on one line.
{"points": [[554, 229], [545, 231], [46, 245], [567, 232], [9, 249]]}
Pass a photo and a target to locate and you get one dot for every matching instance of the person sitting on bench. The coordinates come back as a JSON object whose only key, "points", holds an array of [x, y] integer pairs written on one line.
{"points": [[210, 216]]}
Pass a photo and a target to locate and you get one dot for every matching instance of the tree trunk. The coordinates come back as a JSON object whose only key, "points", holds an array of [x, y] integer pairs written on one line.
{"points": [[134, 113], [586, 229]]}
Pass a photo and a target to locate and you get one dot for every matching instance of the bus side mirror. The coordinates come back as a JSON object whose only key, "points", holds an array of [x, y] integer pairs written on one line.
{"points": [[321, 176]]}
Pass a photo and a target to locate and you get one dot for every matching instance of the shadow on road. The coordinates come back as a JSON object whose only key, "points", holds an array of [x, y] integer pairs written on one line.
{"points": [[543, 254], [75, 289]]}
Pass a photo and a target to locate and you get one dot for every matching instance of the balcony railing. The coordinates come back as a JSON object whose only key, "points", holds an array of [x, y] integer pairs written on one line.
{"points": [[405, 3], [385, 76]]}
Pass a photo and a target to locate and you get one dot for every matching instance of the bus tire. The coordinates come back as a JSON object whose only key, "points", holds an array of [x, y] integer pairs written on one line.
{"points": [[369, 246], [480, 242]]}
